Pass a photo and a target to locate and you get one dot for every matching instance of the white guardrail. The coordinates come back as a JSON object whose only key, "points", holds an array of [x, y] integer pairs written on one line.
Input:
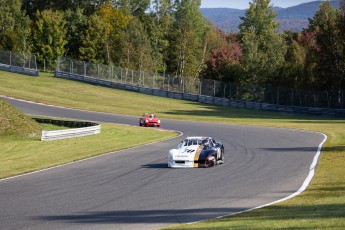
{"points": [[70, 133]]}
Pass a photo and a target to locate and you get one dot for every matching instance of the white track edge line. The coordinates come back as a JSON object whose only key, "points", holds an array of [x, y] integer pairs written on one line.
{"points": [[89, 158], [298, 192], [78, 161]]}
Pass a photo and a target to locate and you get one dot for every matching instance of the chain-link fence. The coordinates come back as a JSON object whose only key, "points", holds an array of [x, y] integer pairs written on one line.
{"points": [[121, 75], [23, 60], [207, 87], [274, 95]]}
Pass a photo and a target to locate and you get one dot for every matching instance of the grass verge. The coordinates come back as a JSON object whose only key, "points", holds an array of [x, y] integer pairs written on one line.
{"points": [[321, 206], [20, 154]]}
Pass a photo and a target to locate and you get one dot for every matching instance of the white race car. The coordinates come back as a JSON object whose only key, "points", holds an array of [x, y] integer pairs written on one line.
{"points": [[196, 152]]}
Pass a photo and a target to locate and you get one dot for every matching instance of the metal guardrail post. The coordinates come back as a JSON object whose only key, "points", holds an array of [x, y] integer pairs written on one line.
{"points": [[168, 82], [126, 75], [58, 64], [24, 61], [132, 77], [35, 62], [121, 75], [182, 83], [278, 96], [214, 88], [153, 81]]}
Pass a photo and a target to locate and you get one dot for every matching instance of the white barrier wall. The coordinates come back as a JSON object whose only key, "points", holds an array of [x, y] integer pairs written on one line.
{"points": [[70, 133]]}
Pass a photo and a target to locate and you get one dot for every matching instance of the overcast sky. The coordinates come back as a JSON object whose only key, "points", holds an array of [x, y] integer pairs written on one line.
{"points": [[244, 4]]}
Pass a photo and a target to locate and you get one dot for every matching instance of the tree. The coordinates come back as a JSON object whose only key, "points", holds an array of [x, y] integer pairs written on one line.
{"points": [[158, 27], [116, 22], [49, 36], [300, 61], [76, 27], [92, 43], [105, 35], [187, 42], [327, 24], [223, 61], [136, 8], [88, 6], [263, 48], [137, 48], [341, 26], [14, 26]]}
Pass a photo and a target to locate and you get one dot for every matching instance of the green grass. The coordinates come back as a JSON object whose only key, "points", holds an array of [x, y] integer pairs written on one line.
{"points": [[14, 122], [22, 151], [73, 94], [20, 154], [51, 127], [321, 206]]}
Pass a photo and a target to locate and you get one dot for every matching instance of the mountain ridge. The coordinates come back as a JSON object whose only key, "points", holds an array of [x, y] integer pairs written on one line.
{"points": [[293, 18]]}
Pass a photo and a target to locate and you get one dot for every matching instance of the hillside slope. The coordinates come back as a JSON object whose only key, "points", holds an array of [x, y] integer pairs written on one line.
{"points": [[292, 18], [14, 122]]}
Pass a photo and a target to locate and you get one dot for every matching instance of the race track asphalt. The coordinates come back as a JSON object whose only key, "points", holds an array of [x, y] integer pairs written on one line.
{"points": [[134, 189]]}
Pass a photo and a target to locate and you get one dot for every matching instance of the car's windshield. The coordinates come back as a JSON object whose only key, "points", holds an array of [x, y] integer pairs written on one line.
{"points": [[189, 142]]}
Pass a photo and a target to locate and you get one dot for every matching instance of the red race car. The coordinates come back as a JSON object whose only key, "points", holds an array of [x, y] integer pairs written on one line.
{"points": [[149, 120]]}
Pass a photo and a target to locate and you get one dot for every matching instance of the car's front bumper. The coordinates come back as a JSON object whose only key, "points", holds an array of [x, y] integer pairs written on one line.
{"points": [[153, 124], [189, 164], [180, 164]]}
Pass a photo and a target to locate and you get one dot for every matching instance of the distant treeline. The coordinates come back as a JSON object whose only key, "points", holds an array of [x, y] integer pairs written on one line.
{"points": [[172, 36]]}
